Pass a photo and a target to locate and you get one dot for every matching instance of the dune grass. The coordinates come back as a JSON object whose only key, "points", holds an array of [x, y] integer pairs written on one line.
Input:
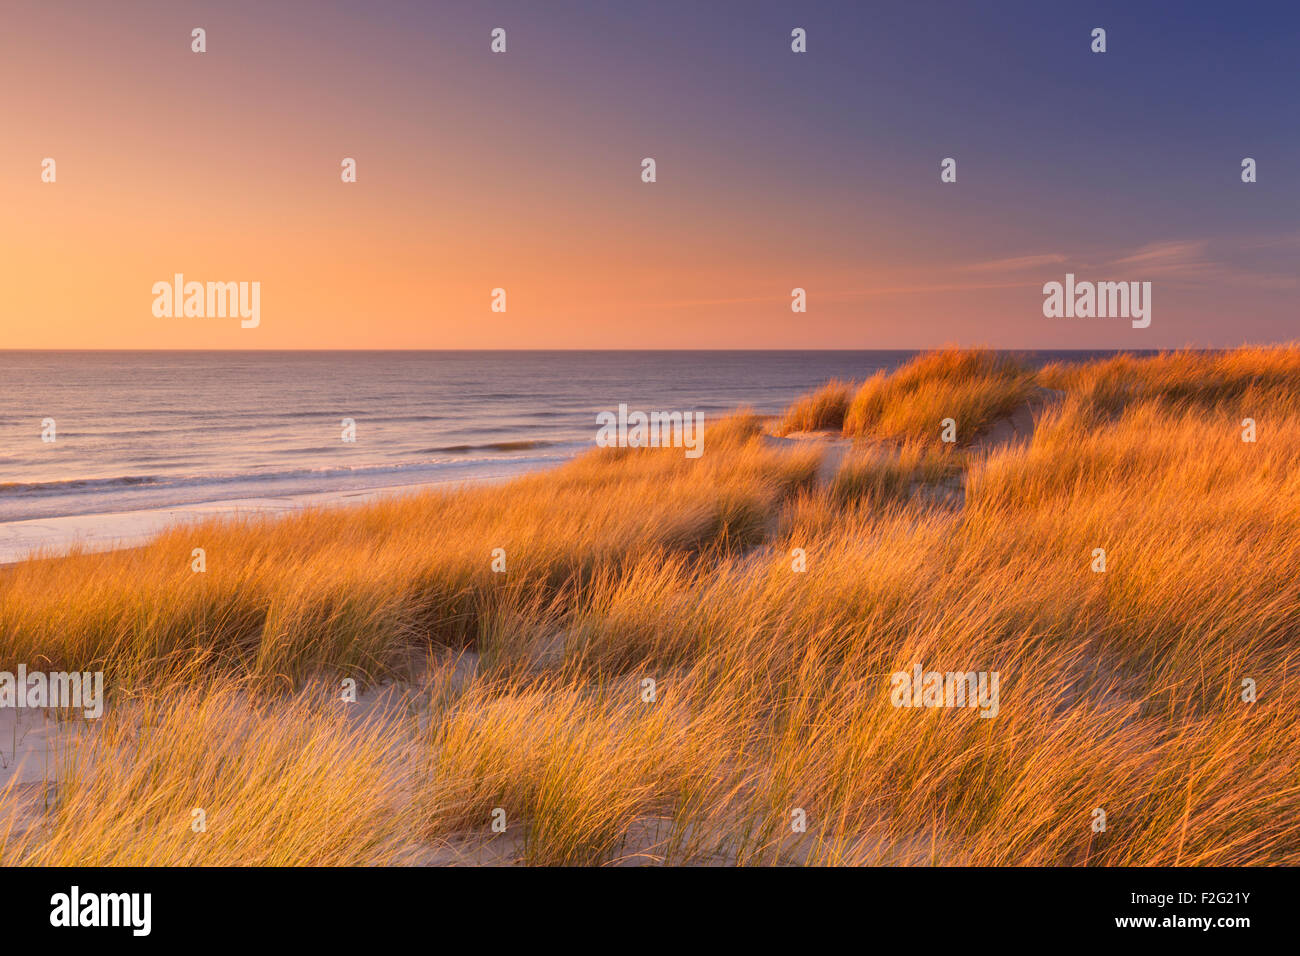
{"points": [[819, 410], [879, 476], [211, 777], [354, 589], [684, 657], [973, 388]]}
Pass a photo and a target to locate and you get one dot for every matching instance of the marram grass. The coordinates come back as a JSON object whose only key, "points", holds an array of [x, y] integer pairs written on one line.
{"points": [[651, 681]]}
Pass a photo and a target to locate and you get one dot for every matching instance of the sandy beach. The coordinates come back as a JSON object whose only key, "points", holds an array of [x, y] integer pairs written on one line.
{"points": [[52, 537]]}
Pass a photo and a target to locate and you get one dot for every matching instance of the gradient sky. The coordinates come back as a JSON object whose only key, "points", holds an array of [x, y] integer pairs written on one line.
{"points": [[522, 171]]}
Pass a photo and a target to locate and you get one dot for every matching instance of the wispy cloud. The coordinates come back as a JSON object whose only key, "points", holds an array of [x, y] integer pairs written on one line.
{"points": [[1193, 261], [1199, 260], [1177, 257], [1015, 264]]}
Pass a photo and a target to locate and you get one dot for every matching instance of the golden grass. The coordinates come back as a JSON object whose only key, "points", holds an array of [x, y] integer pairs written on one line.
{"points": [[288, 782], [879, 476], [822, 409], [1119, 690], [353, 589], [974, 388]]}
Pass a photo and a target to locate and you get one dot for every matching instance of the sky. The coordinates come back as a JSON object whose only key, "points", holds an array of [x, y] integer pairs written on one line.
{"points": [[522, 170]]}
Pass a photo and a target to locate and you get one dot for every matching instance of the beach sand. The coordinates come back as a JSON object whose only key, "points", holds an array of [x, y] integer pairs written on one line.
{"points": [[51, 537]]}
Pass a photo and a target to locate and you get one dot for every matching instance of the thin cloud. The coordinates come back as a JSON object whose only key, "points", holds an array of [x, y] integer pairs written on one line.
{"points": [[1189, 260], [1169, 256], [1015, 264]]}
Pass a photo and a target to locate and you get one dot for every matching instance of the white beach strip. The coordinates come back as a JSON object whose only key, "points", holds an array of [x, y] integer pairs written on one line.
{"points": [[51, 537]]}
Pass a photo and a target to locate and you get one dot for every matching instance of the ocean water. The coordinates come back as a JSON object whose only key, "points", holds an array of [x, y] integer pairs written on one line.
{"points": [[141, 430]]}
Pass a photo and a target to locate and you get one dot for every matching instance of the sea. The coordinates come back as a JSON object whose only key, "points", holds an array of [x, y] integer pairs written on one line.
{"points": [[147, 430]]}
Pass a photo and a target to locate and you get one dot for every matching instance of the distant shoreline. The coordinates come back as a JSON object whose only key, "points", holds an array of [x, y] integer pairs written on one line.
{"points": [[121, 530]]}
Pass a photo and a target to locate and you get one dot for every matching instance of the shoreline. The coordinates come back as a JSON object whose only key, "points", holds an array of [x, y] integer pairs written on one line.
{"points": [[23, 540], [46, 538], [34, 539]]}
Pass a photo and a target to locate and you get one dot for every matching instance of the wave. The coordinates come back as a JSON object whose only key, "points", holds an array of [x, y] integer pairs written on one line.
{"points": [[31, 489], [80, 484], [490, 446], [334, 414]]}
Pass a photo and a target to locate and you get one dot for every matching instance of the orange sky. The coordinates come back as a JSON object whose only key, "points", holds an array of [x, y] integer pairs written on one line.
{"points": [[521, 171]]}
